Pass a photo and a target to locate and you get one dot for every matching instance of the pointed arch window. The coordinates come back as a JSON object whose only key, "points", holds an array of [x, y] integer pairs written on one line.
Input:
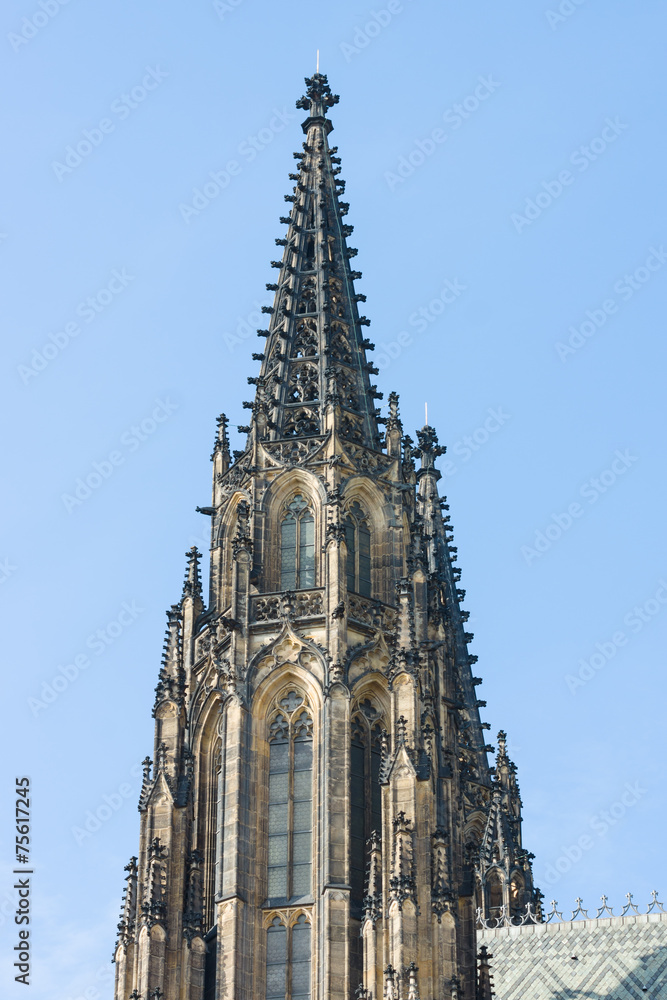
{"points": [[309, 256], [290, 801], [365, 797], [494, 894], [297, 546], [517, 894], [358, 541], [288, 952], [308, 300]]}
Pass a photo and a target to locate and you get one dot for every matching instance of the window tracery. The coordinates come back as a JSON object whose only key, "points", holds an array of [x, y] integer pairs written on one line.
{"points": [[308, 300], [340, 349], [304, 384], [297, 545], [347, 387], [336, 293], [305, 342], [299, 423], [290, 800], [351, 428]]}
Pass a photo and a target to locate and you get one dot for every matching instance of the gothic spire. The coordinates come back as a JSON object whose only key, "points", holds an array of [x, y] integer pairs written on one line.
{"points": [[314, 378]]}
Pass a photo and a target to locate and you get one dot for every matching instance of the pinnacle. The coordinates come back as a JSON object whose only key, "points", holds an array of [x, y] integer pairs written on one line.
{"points": [[192, 582]]}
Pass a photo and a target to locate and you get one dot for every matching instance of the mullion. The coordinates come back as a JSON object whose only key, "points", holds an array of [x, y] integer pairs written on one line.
{"points": [[290, 825]]}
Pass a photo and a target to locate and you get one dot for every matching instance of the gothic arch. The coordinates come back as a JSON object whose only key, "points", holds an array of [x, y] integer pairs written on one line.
{"points": [[372, 687], [517, 892], [223, 536], [288, 916], [280, 701], [268, 672], [380, 518], [287, 485], [227, 520], [494, 891], [372, 499], [206, 705], [473, 830]]}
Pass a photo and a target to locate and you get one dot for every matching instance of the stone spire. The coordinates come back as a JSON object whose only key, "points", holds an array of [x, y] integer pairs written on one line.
{"points": [[314, 378], [320, 785]]}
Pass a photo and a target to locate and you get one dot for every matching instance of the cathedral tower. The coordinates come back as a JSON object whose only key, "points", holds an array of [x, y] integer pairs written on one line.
{"points": [[319, 820]]}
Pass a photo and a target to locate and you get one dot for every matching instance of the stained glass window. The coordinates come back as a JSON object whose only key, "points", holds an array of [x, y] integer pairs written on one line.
{"points": [[297, 546], [276, 961], [290, 801], [300, 964], [288, 960]]}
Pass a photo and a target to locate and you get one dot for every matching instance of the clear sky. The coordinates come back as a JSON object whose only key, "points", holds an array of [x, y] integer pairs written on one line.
{"points": [[505, 171]]}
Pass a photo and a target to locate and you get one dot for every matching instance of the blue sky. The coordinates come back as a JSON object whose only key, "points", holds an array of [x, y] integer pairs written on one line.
{"points": [[515, 151]]}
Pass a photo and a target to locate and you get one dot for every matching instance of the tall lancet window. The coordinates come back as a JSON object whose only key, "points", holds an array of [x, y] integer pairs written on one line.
{"points": [[297, 546], [358, 541], [290, 801], [288, 960], [365, 796]]}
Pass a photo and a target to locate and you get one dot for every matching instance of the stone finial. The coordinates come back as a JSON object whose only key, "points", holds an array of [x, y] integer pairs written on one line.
{"points": [[428, 450], [394, 428], [222, 437], [317, 100], [192, 583]]}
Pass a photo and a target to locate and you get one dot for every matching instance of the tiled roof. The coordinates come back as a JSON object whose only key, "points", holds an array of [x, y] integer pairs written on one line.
{"points": [[615, 958]]}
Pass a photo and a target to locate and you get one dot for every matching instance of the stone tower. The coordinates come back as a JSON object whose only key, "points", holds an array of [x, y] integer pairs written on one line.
{"points": [[319, 820]]}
